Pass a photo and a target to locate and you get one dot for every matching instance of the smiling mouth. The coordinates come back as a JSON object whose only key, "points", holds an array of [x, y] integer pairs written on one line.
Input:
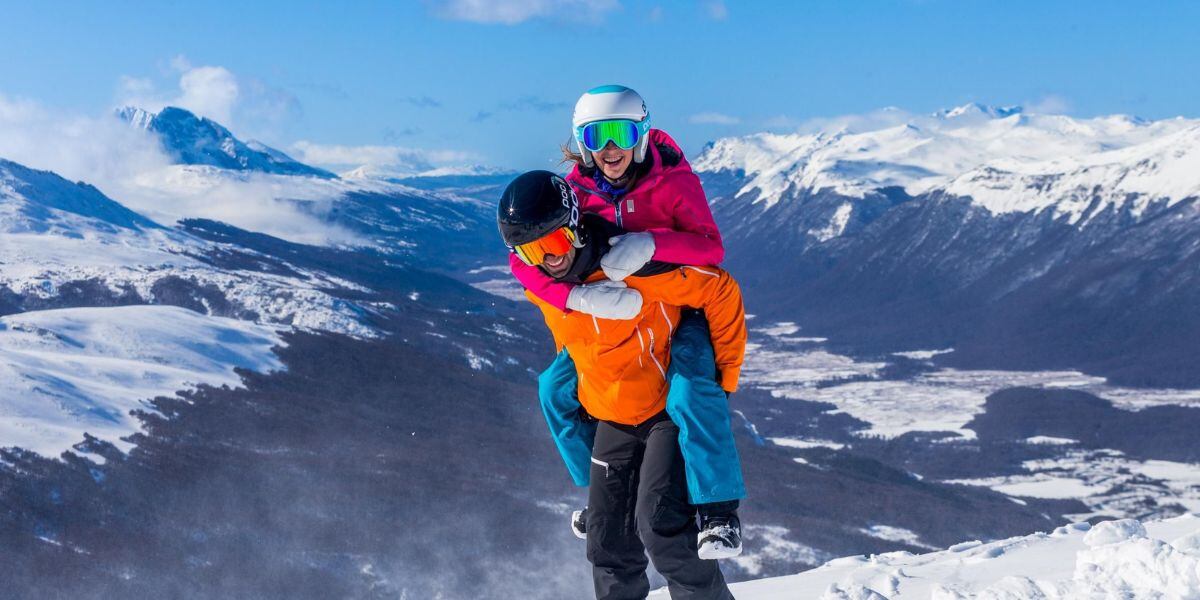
{"points": [[555, 264], [612, 161]]}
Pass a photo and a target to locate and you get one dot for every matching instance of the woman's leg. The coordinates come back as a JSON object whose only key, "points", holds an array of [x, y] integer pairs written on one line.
{"points": [[558, 389], [698, 405], [667, 522], [613, 547]]}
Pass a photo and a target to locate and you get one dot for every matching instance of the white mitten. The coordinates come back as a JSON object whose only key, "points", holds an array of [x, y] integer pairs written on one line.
{"points": [[629, 253], [606, 300]]}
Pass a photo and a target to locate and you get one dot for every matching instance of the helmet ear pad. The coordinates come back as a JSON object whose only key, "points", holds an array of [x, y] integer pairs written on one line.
{"points": [[588, 161], [639, 151]]}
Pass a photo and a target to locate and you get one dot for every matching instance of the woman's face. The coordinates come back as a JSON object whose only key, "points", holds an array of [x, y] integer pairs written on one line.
{"points": [[613, 161]]}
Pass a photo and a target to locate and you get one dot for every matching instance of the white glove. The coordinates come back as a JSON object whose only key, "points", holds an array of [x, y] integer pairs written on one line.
{"points": [[606, 300], [629, 253]]}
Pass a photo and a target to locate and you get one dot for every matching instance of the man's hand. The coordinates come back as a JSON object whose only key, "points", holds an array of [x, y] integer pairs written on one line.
{"points": [[629, 253], [606, 300]]}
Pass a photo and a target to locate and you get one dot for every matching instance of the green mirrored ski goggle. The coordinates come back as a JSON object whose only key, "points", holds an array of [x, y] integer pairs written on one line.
{"points": [[623, 133]]}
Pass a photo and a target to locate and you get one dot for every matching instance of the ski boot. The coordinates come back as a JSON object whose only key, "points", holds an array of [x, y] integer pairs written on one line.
{"points": [[579, 523], [720, 536]]}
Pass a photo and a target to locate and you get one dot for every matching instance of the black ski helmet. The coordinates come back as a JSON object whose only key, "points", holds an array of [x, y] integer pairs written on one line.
{"points": [[536, 204]]}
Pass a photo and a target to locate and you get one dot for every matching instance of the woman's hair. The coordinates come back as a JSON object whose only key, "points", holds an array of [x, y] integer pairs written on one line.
{"points": [[569, 155]]}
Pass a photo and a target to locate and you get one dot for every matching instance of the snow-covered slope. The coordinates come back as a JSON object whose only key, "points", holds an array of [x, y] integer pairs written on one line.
{"points": [[193, 140], [42, 202], [1165, 168], [437, 226], [976, 151], [67, 244], [82, 370], [1114, 559]]}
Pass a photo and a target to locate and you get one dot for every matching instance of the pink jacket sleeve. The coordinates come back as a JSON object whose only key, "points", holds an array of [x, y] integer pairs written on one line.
{"points": [[695, 239], [540, 284]]}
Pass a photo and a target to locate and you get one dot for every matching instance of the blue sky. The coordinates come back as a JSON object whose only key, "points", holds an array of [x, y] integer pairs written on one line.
{"points": [[494, 81]]}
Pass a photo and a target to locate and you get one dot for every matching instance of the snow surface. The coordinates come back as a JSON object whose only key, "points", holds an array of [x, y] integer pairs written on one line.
{"points": [[804, 443], [1113, 560], [1108, 482], [923, 354], [503, 284], [82, 370], [1004, 159]]}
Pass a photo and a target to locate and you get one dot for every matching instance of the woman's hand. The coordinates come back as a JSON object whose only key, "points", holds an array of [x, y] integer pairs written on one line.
{"points": [[606, 300], [629, 253]]}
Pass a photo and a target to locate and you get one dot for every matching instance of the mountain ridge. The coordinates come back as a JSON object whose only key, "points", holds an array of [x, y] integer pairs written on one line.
{"points": [[194, 140]]}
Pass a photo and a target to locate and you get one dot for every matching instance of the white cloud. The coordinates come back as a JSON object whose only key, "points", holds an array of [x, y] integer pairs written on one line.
{"points": [[716, 10], [511, 12], [781, 122], [870, 121], [246, 105], [394, 160], [1051, 104], [99, 150], [291, 208], [209, 91], [713, 118]]}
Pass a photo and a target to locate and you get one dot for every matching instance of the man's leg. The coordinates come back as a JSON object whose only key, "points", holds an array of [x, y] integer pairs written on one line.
{"points": [[698, 405], [558, 389], [667, 522], [617, 555]]}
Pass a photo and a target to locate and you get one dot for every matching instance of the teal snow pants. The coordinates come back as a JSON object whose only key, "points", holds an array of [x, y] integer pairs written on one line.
{"points": [[695, 402]]}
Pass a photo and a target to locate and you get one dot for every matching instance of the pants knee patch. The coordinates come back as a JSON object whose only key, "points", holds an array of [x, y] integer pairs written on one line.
{"points": [[671, 517]]}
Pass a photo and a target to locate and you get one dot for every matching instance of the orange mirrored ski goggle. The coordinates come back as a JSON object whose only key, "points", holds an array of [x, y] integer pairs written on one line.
{"points": [[558, 242]]}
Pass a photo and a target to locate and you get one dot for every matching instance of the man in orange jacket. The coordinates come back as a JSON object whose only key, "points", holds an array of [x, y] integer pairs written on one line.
{"points": [[637, 477]]}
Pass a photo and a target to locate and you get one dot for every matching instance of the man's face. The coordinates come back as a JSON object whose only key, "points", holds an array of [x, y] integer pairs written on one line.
{"points": [[557, 265]]}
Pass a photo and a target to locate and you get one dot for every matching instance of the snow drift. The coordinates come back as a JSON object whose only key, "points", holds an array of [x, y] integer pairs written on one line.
{"points": [[1114, 559]]}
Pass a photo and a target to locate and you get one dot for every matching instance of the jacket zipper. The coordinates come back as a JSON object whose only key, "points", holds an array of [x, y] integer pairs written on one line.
{"points": [[654, 358], [641, 343]]}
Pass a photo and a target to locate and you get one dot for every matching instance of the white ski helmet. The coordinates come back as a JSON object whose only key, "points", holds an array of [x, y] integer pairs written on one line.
{"points": [[611, 102]]}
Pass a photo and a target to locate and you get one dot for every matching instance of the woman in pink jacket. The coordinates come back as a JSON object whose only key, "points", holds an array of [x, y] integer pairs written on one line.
{"points": [[637, 178]]}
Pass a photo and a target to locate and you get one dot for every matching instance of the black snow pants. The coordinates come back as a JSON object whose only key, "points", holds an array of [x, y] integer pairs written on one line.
{"points": [[638, 486]]}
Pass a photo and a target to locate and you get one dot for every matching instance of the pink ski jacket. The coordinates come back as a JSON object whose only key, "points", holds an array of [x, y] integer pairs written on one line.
{"points": [[668, 202]]}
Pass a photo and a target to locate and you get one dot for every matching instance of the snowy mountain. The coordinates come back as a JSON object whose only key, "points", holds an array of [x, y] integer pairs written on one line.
{"points": [[193, 140], [978, 229], [42, 202], [86, 345], [68, 245], [939, 152], [424, 226]]}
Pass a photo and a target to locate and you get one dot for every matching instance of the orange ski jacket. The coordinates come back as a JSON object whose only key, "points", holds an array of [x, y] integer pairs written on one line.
{"points": [[622, 364]]}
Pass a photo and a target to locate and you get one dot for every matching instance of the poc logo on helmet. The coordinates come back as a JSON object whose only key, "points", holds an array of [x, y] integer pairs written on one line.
{"points": [[569, 201]]}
